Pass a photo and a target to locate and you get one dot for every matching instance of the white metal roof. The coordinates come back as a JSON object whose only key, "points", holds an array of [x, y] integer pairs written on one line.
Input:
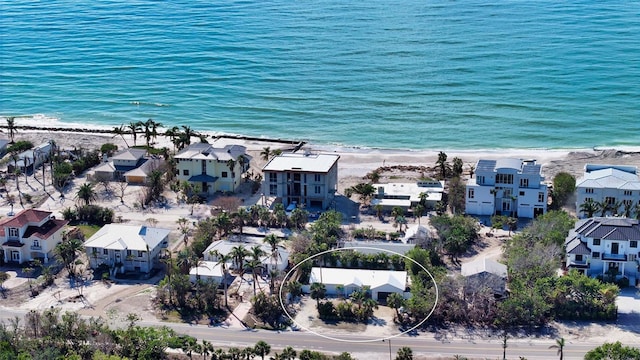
{"points": [[484, 265], [208, 269], [127, 237], [130, 154], [375, 247], [611, 178], [361, 277], [316, 163]]}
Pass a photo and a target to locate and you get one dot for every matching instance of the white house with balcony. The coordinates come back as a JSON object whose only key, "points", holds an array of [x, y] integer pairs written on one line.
{"points": [[127, 247], [616, 186], [340, 281], [31, 234], [212, 169], [511, 187], [302, 179], [603, 245], [29, 160]]}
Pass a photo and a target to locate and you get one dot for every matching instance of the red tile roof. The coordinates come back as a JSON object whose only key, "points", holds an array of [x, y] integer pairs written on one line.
{"points": [[25, 217]]}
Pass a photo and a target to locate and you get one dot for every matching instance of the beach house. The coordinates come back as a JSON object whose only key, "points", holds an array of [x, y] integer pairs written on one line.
{"points": [[306, 179], [407, 195], [380, 283], [127, 247], [511, 187], [605, 246], [31, 234], [211, 169], [29, 160], [130, 165], [613, 189], [484, 272]]}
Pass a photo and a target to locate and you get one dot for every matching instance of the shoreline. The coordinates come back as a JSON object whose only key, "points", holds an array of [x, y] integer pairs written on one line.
{"points": [[35, 124]]}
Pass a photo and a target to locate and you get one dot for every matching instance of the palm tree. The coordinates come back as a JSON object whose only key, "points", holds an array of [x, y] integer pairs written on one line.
{"points": [[560, 346], [238, 254], [418, 211], [222, 262], [135, 127], [86, 193], [173, 134], [442, 164], [604, 206], [589, 207], [628, 208], [395, 301], [288, 353], [261, 349], [358, 297], [253, 266], [240, 217], [273, 241], [11, 126], [404, 353], [265, 153], [119, 130], [317, 291]]}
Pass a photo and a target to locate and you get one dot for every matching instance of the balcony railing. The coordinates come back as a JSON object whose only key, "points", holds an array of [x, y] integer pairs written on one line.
{"points": [[617, 257], [578, 263], [36, 247]]}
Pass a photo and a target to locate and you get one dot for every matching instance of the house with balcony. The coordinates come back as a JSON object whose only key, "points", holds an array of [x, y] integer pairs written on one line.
{"points": [[210, 169], [127, 247], [605, 246], [302, 179], [29, 235], [130, 165], [511, 187], [615, 188]]}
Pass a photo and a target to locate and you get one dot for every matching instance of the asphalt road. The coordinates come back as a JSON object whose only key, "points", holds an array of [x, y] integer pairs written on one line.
{"points": [[423, 346]]}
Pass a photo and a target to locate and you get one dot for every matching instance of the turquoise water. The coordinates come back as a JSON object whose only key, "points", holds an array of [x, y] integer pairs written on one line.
{"points": [[393, 74]]}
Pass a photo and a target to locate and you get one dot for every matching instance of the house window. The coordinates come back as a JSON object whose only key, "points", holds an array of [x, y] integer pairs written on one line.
{"points": [[185, 172], [507, 192], [141, 253], [273, 189], [36, 243], [628, 192], [128, 252], [273, 177], [318, 189], [316, 177], [13, 232], [627, 203], [504, 179], [471, 194], [521, 193], [578, 257], [595, 255], [588, 190], [203, 167], [610, 200], [596, 242], [588, 199], [632, 257], [105, 252], [540, 197], [524, 183], [480, 180], [633, 243], [224, 174]]}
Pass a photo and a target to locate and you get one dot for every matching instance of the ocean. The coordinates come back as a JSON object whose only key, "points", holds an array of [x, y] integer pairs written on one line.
{"points": [[406, 74]]}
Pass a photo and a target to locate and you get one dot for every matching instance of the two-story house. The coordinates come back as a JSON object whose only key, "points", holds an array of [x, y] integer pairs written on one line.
{"points": [[511, 187], [123, 163], [212, 169], [31, 234], [597, 246], [615, 189], [302, 178], [127, 247]]}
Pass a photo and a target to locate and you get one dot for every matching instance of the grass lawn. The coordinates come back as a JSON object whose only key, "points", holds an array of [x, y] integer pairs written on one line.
{"points": [[89, 230]]}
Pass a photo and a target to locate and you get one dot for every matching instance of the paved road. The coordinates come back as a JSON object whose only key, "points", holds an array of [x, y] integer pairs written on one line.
{"points": [[421, 345]]}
